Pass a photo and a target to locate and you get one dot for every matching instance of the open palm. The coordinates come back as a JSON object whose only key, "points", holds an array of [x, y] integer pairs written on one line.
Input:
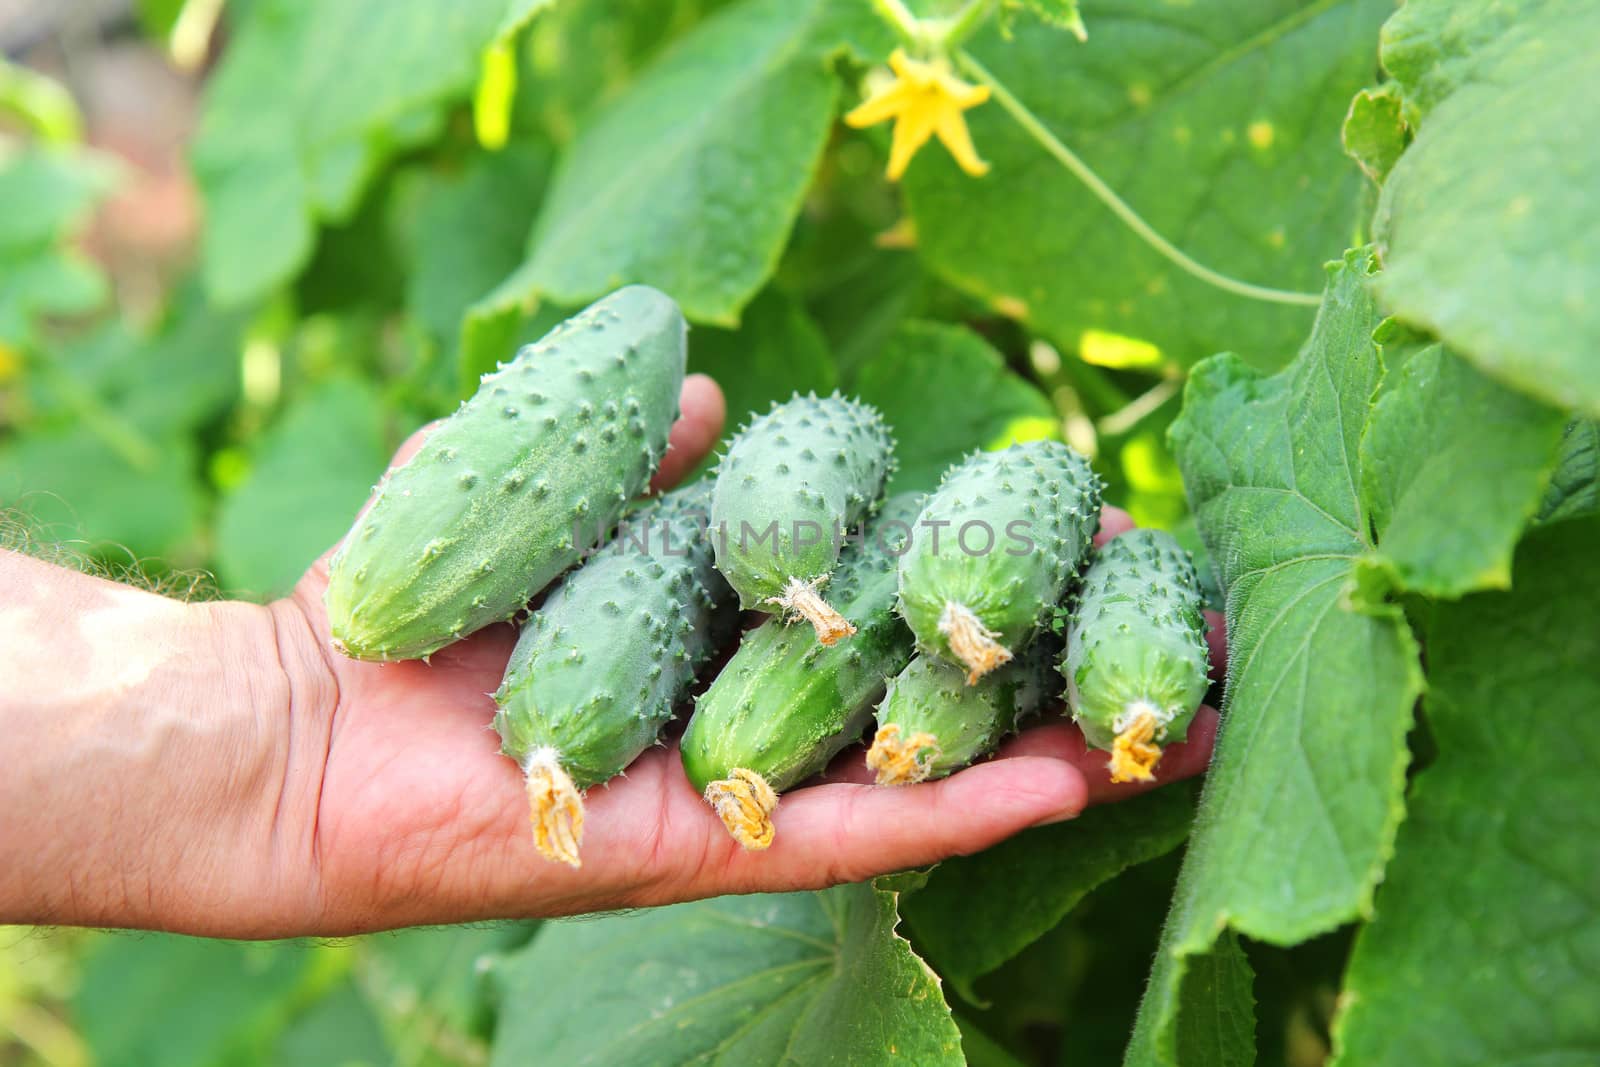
{"points": [[413, 816]]}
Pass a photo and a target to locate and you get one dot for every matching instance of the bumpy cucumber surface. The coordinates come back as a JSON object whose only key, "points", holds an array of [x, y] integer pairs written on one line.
{"points": [[784, 705], [790, 481], [931, 723], [995, 550], [484, 515], [1136, 657], [599, 667]]}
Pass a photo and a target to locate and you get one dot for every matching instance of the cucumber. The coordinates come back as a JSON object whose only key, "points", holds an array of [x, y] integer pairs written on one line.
{"points": [[1136, 657], [598, 669], [792, 482], [494, 505], [995, 550], [931, 723], [784, 705]]}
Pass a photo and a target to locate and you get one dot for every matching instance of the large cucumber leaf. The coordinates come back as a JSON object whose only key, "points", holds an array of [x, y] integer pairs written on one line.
{"points": [[690, 179], [1218, 121], [1501, 260], [1304, 793], [1487, 938], [1453, 466], [1311, 500], [746, 981]]}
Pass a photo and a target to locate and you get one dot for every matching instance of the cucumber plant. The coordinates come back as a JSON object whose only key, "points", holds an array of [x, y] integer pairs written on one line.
{"points": [[789, 488], [598, 669], [497, 501], [784, 705], [1035, 507]]}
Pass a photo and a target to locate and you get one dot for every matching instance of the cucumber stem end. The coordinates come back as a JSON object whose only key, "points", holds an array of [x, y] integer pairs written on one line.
{"points": [[801, 598], [555, 807], [745, 803], [902, 762], [972, 642]]}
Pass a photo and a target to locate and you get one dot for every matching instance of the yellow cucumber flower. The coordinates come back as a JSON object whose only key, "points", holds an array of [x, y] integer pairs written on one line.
{"points": [[924, 99]]}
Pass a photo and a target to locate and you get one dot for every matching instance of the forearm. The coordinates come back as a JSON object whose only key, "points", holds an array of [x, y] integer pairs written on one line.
{"points": [[144, 744]]}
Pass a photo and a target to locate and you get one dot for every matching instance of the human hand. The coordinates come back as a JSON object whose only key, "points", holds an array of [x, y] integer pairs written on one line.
{"points": [[409, 813]]}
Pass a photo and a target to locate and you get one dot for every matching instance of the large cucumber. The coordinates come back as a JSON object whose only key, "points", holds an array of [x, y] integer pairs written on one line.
{"points": [[493, 506], [931, 723], [599, 667], [790, 486], [1136, 651], [784, 705], [995, 550]]}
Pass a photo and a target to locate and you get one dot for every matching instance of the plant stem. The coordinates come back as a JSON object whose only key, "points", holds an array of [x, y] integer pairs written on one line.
{"points": [[897, 15], [1119, 207], [964, 24]]}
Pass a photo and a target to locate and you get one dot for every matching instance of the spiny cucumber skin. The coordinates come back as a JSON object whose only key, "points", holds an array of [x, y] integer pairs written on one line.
{"points": [[483, 516], [808, 460], [598, 669], [1045, 485], [931, 696], [1136, 634], [784, 705]]}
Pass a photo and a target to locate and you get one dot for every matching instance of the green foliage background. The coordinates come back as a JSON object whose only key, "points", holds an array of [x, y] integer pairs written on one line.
{"points": [[1392, 858]]}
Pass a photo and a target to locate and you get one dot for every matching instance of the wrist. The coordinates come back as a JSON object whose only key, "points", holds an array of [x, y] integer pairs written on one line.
{"points": [[146, 746]]}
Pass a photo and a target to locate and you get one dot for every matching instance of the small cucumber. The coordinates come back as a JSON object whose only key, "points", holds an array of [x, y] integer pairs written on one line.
{"points": [[931, 723], [1136, 656], [491, 508], [790, 484], [598, 669], [994, 552], [784, 705]]}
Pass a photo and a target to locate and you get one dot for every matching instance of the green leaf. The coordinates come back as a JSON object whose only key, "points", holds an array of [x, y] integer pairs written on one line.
{"points": [[1217, 121], [1453, 467], [979, 911], [311, 472], [176, 378], [466, 231], [1305, 789], [578, 57], [310, 100], [1216, 1022], [1500, 260], [776, 351], [73, 483], [946, 392], [1575, 483], [187, 1001], [337, 1030], [53, 191], [1375, 131], [796, 978], [429, 986], [691, 179], [1487, 936]]}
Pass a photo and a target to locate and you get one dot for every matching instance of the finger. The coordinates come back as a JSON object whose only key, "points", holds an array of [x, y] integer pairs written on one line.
{"points": [[1113, 521], [695, 433], [1217, 642], [833, 833]]}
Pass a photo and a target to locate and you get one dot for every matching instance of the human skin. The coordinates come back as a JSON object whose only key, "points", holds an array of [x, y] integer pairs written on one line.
{"points": [[217, 769]]}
